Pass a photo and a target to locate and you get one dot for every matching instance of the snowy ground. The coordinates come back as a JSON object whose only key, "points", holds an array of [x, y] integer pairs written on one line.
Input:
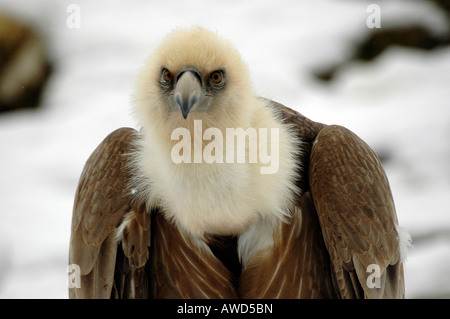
{"points": [[400, 104]]}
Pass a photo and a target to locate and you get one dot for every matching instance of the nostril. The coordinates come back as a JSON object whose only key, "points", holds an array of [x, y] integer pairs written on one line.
{"points": [[178, 99], [194, 100]]}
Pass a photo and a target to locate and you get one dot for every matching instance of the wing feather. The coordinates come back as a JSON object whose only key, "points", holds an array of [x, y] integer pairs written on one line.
{"points": [[101, 201], [357, 214]]}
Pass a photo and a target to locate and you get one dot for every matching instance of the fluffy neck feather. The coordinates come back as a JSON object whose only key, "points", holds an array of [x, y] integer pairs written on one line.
{"points": [[217, 198]]}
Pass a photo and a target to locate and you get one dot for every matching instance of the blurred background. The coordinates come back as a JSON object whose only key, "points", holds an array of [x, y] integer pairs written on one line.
{"points": [[67, 71]]}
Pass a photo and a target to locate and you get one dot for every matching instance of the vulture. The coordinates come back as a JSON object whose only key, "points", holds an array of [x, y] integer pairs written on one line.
{"points": [[225, 194]]}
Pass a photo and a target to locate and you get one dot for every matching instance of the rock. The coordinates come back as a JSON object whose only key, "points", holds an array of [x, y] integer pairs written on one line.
{"points": [[376, 41], [24, 67]]}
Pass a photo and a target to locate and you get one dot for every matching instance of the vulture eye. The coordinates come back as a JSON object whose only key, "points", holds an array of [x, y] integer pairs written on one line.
{"points": [[217, 78], [166, 76]]}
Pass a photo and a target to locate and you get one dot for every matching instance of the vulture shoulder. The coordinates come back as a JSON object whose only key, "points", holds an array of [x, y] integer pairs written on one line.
{"points": [[102, 201], [357, 215], [110, 266], [355, 209]]}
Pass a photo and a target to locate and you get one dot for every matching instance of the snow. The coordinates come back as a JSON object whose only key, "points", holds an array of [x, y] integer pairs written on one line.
{"points": [[399, 104]]}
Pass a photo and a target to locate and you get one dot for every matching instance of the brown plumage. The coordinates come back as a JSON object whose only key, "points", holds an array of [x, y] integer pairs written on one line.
{"points": [[340, 220]]}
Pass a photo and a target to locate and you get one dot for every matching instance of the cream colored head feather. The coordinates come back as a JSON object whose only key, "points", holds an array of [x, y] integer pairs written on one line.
{"points": [[206, 52]]}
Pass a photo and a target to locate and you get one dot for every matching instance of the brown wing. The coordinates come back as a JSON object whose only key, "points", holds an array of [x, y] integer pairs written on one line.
{"points": [[101, 202], [355, 209], [181, 268], [357, 215]]}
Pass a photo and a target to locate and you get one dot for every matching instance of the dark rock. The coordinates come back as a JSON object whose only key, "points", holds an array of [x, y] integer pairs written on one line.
{"points": [[377, 40], [24, 67]]}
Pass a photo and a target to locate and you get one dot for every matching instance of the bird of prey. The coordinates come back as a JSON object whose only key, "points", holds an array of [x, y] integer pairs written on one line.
{"points": [[224, 194]]}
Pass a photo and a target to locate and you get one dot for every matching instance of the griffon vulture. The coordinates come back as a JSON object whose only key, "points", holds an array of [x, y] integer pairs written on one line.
{"points": [[223, 194]]}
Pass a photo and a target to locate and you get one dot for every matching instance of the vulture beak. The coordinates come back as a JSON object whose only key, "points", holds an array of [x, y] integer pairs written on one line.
{"points": [[188, 91]]}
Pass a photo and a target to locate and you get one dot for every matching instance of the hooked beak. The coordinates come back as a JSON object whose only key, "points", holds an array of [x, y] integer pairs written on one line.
{"points": [[188, 91]]}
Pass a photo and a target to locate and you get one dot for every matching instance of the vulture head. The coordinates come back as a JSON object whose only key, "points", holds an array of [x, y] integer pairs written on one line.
{"points": [[194, 75]]}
